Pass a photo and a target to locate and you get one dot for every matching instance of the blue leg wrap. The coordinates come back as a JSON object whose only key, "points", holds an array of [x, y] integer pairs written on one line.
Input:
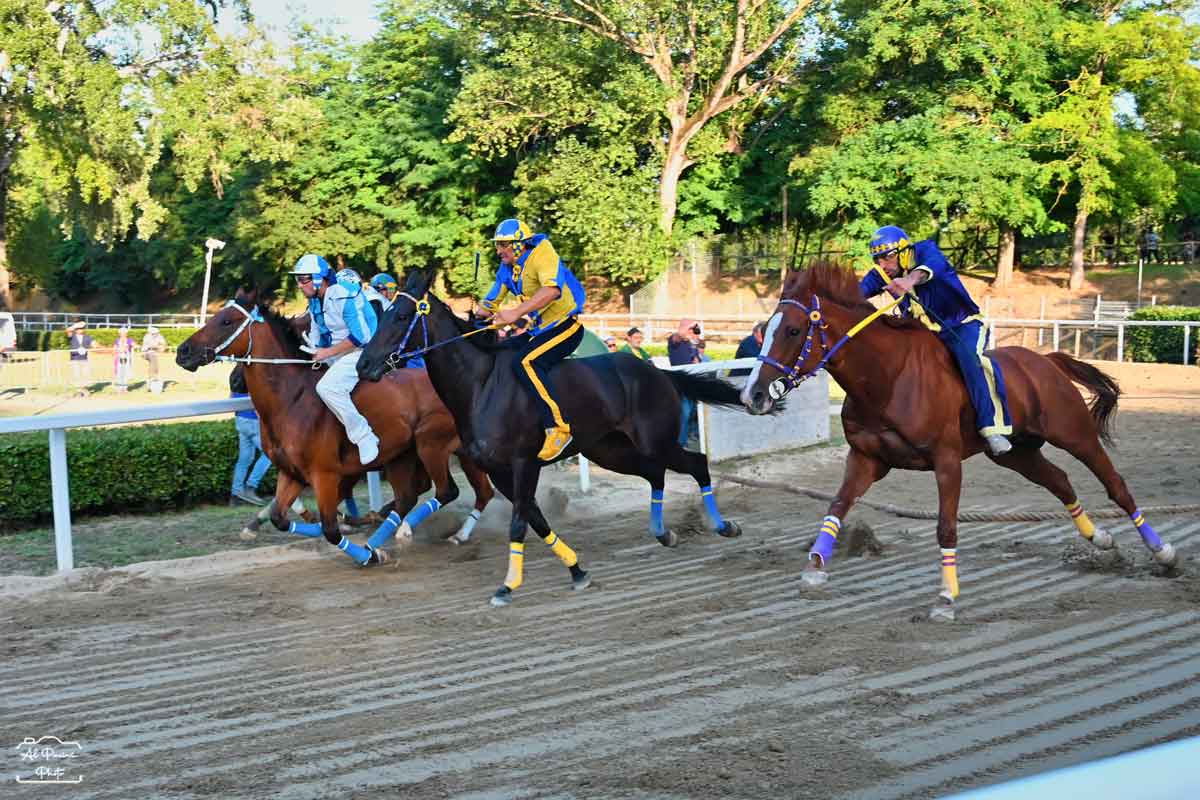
{"points": [[351, 507], [1149, 536], [418, 514], [710, 505], [656, 513], [384, 531], [356, 551], [305, 528]]}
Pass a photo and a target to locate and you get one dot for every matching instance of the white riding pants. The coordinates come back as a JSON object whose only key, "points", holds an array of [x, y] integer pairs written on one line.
{"points": [[335, 388]]}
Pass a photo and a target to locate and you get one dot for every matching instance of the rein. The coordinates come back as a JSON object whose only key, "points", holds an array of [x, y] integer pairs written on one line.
{"points": [[397, 359], [792, 376], [252, 317]]}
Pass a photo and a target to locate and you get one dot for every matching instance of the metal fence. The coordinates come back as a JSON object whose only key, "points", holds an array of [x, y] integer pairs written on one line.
{"points": [[57, 320]]}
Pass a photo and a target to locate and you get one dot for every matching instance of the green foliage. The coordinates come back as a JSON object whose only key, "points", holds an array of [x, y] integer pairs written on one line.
{"points": [[144, 468], [1162, 345], [102, 337]]}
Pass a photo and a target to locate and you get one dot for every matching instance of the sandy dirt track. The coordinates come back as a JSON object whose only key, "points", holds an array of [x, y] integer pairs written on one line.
{"points": [[697, 672]]}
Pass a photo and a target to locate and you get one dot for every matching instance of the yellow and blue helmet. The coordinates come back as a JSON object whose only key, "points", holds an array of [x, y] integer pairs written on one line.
{"points": [[515, 232], [384, 281], [889, 239]]}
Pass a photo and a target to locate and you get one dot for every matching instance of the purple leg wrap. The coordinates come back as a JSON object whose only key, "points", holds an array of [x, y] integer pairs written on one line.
{"points": [[1148, 534], [824, 547]]}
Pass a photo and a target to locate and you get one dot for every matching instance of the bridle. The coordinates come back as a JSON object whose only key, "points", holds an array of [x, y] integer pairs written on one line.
{"points": [[251, 317], [421, 311]]}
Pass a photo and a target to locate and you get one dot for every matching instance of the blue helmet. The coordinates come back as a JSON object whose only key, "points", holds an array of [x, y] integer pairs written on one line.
{"points": [[889, 239], [314, 265], [383, 281]]}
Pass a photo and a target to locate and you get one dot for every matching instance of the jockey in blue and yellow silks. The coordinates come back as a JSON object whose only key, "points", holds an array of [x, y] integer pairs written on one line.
{"points": [[941, 302], [552, 297]]}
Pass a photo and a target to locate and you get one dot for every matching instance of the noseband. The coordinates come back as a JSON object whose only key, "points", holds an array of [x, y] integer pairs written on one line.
{"points": [[250, 318], [793, 376]]}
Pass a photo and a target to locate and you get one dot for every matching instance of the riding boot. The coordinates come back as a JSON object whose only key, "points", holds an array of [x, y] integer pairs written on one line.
{"points": [[557, 440], [999, 445]]}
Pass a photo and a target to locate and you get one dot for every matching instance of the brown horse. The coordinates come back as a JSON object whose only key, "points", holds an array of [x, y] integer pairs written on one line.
{"points": [[308, 444], [907, 407]]}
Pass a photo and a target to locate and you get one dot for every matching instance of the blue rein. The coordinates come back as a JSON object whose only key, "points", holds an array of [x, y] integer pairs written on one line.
{"points": [[397, 359]]}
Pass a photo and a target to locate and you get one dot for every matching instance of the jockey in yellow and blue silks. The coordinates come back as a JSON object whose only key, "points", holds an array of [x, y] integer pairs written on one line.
{"points": [[552, 297], [942, 303]]}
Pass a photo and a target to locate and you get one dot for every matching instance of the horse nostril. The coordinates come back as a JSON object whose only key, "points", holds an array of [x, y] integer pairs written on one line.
{"points": [[757, 398]]}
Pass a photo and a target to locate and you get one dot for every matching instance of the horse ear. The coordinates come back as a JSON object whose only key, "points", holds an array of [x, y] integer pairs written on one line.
{"points": [[247, 297], [418, 280]]}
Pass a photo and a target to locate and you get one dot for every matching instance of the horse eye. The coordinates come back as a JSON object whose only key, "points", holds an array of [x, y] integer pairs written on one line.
{"points": [[226, 322], [793, 331]]}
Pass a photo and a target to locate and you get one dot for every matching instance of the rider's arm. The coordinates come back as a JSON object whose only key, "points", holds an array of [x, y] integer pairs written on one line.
{"points": [[491, 301]]}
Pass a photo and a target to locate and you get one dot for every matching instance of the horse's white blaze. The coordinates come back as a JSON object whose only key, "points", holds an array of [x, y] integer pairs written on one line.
{"points": [[768, 337]]}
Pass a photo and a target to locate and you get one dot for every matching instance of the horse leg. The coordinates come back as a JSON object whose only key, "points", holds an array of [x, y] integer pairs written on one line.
{"points": [[408, 480], [434, 453], [1092, 454], [617, 453], [326, 489], [861, 471], [1031, 463], [287, 490], [696, 465], [948, 472], [483, 495]]}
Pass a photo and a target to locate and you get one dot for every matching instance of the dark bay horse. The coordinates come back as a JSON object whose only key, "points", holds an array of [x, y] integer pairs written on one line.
{"points": [[624, 415], [308, 444], [907, 407]]}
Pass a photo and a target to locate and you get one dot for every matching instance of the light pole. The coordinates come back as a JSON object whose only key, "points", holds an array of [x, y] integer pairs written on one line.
{"points": [[210, 245]]}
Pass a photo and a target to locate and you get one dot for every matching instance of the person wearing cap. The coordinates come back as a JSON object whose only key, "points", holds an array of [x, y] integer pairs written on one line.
{"points": [[633, 344], [552, 297], [611, 343], [342, 322], [79, 344], [153, 344], [122, 359]]}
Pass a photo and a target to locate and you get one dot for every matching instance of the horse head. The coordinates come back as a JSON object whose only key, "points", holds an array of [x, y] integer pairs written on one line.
{"points": [[403, 328], [225, 333]]}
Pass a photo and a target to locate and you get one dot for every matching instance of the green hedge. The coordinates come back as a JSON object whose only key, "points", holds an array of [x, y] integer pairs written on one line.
{"points": [[118, 470], [103, 337], [1163, 345]]}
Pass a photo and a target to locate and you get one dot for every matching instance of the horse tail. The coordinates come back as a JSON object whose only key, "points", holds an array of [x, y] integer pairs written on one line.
{"points": [[1104, 389], [705, 388]]}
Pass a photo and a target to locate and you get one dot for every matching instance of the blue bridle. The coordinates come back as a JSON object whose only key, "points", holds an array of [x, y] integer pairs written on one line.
{"points": [[793, 376]]}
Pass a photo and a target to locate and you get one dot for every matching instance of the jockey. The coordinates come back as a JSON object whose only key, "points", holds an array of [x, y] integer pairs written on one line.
{"points": [[342, 322], [381, 292], [939, 300], [552, 297]]}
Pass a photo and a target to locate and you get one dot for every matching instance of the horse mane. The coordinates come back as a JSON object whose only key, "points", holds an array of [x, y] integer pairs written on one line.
{"points": [[837, 282], [285, 334], [487, 342]]}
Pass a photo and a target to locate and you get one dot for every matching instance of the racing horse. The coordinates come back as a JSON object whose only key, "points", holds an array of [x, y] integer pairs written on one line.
{"points": [[907, 407], [308, 444], [624, 416]]}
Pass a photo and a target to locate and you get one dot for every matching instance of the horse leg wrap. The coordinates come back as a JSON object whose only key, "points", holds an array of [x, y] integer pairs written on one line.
{"points": [[356, 551], [656, 513], [1149, 536], [826, 540], [950, 572], [305, 528], [418, 514], [516, 565], [351, 508], [298, 506], [710, 505], [1083, 523], [384, 531], [559, 548]]}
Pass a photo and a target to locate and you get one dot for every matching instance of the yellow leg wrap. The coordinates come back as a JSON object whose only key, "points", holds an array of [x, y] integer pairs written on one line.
{"points": [[559, 548], [1081, 520], [516, 565], [950, 572]]}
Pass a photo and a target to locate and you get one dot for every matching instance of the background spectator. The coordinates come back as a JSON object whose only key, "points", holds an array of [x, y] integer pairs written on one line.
{"points": [[683, 347], [633, 344], [8, 334], [80, 343], [123, 349], [750, 347], [245, 488], [153, 343], [1108, 242], [611, 343]]}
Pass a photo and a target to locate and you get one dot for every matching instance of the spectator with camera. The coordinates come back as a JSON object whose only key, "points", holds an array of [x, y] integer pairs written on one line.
{"points": [[683, 347]]}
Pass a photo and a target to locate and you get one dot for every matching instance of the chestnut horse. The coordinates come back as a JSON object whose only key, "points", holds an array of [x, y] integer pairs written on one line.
{"points": [[907, 407], [308, 444]]}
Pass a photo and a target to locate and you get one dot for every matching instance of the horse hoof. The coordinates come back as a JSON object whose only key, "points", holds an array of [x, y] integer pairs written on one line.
{"points": [[942, 613], [812, 576], [730, 530], [581, 582], [458, 538], [502, 597], [378, 557], [404, 536], [1167, 556], [247, 535], [668, 539], [1103, 540]]}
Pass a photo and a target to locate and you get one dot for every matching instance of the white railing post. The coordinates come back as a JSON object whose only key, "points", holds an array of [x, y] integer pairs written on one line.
{"points": [[1120, 342], [374, 492], [1054, 341], [61, 496], [585, 476], [1096, 313], [1187, 330]]}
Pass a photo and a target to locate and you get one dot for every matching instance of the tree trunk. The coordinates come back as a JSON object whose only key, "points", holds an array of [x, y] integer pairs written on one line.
{"points": [[1076, 279], [5, 289], [668, 185], [1004, 257]]}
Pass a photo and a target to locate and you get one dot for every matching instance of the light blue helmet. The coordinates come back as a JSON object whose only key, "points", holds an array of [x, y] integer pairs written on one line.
{"points": [[889, 239], [314, 265]]}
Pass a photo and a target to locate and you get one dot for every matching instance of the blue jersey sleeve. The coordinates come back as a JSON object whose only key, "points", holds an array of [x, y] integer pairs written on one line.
{"points": [[359, 318], [930, 257], [871, 284]]}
